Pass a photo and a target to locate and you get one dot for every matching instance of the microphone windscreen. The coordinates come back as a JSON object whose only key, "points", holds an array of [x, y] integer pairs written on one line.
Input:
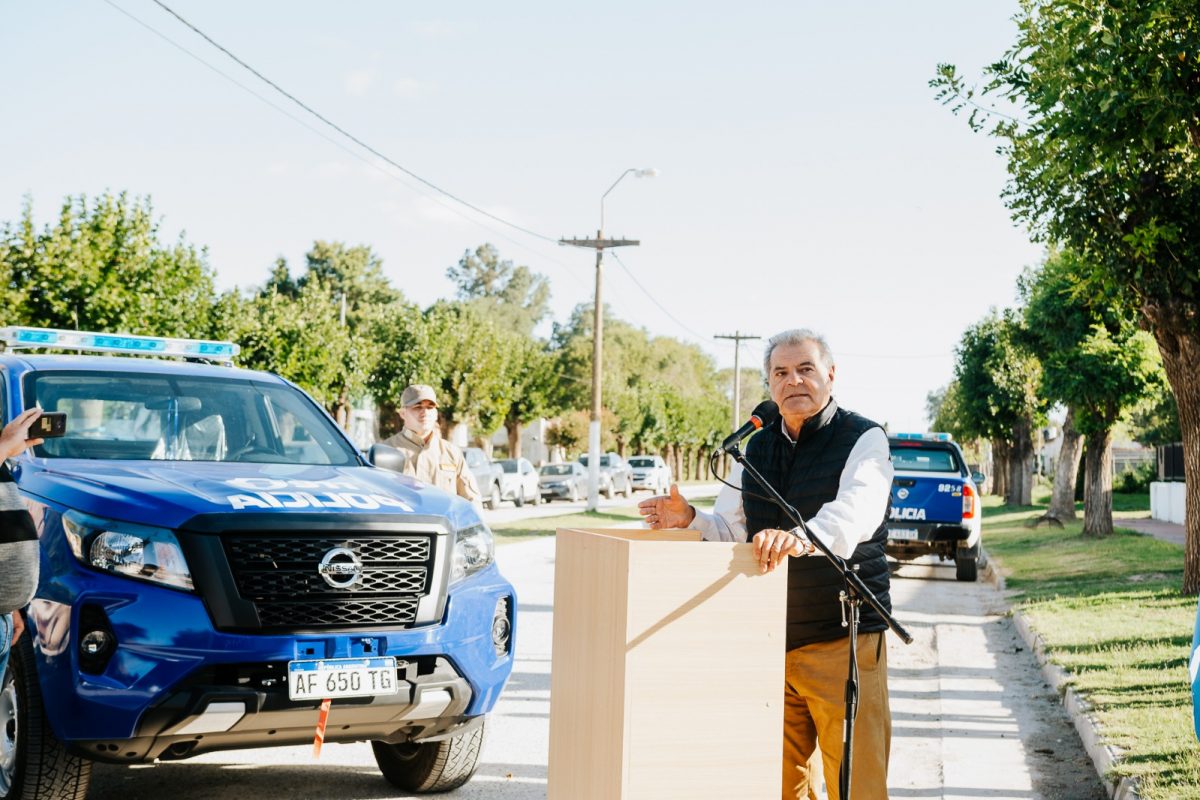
{"points": [[767, 412]]}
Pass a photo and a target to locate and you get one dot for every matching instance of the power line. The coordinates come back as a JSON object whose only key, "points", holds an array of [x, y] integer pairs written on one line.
{"points": [[345, 132], [699, 337], [382, 157], [341, 146]]}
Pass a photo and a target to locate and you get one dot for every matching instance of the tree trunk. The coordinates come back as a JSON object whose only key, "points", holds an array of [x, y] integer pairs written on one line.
{"points": [[513, 426], [1020, 464], [1097, 485], [1000, 451], [1062, 501], [698, 471], [1179, 344]]}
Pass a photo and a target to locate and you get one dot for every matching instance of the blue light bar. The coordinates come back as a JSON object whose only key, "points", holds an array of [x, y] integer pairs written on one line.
{"points": [[16, 337], [924, 437]]}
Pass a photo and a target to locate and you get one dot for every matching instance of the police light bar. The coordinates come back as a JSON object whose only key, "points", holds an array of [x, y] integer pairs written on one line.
{"points": [[924, 437], [21, 337]]}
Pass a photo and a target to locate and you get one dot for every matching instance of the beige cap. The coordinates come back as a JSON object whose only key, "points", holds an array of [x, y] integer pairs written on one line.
{"points": [[416, 393]]}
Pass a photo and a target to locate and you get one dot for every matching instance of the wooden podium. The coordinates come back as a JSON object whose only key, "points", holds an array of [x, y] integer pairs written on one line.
{"points": [[667, 669]]}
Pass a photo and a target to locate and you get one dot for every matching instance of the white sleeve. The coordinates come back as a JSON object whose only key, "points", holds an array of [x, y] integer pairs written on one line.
{"points": [[863, 490], [727, 522]]}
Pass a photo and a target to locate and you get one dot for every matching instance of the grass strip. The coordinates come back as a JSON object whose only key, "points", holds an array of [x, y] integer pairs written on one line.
{"points": [[524, 530], [1111, 615]]}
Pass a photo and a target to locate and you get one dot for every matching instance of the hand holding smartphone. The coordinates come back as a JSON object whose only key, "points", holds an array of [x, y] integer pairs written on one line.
{"points": [[49, 425]]}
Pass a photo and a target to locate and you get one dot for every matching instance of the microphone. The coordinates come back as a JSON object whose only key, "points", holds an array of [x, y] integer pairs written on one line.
{"points": [[763, 415]]}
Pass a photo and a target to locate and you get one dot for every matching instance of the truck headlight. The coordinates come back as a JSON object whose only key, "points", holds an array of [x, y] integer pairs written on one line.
{"points": [[135, 551], [474, 549]]}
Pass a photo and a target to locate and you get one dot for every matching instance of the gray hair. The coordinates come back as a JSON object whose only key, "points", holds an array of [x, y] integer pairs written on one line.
{"points": [[796, 336]]}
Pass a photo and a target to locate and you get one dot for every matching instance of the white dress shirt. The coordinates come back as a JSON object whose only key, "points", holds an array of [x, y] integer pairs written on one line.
{"points": [[842, 524]]}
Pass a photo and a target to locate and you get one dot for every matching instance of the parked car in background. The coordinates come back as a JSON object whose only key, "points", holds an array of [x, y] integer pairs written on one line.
{"points": [[564, 481], [650, 472], [519, 482], [615, 475], [487, 476]]}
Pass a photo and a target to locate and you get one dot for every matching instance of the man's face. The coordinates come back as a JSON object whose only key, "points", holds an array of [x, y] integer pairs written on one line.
{"points": [[420, 418], [800, 381]]}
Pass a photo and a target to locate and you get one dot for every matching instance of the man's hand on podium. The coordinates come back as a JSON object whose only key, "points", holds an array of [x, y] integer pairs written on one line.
{"points": [[667, 510], [771, 546]]}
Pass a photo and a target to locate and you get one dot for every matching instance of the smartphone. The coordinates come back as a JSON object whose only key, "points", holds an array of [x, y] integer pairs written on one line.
{"points": [[49, 425]]}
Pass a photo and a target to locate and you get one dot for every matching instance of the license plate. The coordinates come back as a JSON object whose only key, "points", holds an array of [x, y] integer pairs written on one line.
{"points": [[907, 534], [341, 677]]}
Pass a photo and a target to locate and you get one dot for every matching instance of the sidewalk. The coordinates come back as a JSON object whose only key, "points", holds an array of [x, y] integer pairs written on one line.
{"points": [[1167, 531]]}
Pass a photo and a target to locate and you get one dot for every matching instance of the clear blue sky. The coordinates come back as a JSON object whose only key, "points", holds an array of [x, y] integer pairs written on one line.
{"points": [[808, 177]]}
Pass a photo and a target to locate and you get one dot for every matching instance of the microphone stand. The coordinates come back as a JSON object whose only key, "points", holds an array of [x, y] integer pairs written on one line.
{"points": [[853, 596]]}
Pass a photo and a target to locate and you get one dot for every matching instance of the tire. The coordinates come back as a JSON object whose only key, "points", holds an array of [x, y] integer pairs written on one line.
{"points": [[41, 767], [519, 500], [966, 564], [574, 493], [493, 499], [537, 497], [430, 766], [610, 493], [628, 488]]}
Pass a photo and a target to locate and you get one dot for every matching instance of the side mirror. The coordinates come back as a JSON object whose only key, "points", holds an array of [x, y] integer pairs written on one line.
{"points": [[978, 477], [387, 457]]}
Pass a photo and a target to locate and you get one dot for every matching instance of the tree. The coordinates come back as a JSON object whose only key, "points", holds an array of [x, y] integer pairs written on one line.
{"points": [[451, 347], [354, 273], [1095, 361], [100, 266], [300, 338], [1104, 162], [514, 297], [997, 399]]}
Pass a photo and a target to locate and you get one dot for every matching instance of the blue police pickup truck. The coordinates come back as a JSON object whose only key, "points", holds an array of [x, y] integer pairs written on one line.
{"points": [[935, 503], [217, 560]]}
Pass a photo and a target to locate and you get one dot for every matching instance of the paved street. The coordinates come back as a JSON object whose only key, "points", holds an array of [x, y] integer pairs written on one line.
{"points": [[972, 715]]}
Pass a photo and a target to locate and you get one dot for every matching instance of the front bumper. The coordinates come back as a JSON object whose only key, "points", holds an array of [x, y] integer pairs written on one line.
{"points": [[247, 705], [171, 665]]}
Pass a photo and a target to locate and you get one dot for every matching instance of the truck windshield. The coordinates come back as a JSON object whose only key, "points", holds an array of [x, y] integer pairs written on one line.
{"points": [[169, 418], [923, 459]]}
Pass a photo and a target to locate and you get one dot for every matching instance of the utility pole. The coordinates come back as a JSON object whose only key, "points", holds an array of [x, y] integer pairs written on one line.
{"points": [[738, 337], [598, 244]]}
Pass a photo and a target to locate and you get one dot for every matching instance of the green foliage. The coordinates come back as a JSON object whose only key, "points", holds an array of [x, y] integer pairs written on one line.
{"points": [[1157, 420], [996, 380], [1136, 480], [100, 266], [341, 331], [514, 297], [299, 338], [662, 391], [1105, 156], [1094, 358]]}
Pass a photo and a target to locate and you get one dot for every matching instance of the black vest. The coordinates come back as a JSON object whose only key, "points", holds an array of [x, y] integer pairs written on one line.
{"points": [[807, 475]]}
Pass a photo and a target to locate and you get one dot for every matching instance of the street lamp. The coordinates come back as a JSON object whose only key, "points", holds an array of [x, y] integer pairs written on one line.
{"points": [[599, 244]]}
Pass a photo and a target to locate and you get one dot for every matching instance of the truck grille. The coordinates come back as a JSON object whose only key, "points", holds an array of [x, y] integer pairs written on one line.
{"points": [[279, 574]]}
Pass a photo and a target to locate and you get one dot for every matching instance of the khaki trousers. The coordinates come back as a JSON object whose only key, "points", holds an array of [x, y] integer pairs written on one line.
{"points": [[814, 708]]}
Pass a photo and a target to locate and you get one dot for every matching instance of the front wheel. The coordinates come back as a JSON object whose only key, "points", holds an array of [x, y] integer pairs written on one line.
{"points": [[33, 763], [519, 500], [493, 500], [431, 766]]}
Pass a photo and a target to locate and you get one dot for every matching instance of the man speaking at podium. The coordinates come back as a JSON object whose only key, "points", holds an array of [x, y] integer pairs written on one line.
{"points": [[834, 467]]}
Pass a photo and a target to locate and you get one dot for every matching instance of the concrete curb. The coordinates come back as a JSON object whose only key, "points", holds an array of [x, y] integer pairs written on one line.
{"points": [[1103, 756]]}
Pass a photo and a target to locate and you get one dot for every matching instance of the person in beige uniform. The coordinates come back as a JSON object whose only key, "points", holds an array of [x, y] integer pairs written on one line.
{"points": [[430, 458]]}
